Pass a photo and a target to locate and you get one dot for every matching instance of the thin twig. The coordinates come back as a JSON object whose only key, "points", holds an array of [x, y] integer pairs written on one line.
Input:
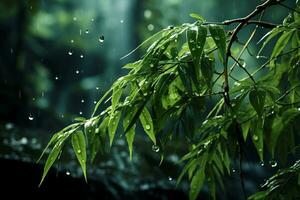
{"points": [[242, 67]]}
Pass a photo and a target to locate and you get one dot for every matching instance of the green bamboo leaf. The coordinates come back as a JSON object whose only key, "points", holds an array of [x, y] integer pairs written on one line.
{"points": [[257, 100], [147, 123], [51, 159], [197, 184], [258, 137], [245, 129], [281, 44], [116, 95], [198, 17], [267, 37], [131, 132], [207, 69], [196, 37], [79, 147], [219, 36], [113, 125]]}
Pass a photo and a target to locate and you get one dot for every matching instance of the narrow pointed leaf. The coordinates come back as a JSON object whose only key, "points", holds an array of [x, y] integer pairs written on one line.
{"points": [[219, 36], [113, 125], [147, 124], [51, 159], [79, 147], [257, 100]]}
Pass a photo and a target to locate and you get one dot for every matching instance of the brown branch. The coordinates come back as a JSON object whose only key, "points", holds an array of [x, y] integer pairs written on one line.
{"points": [[242, 22]]}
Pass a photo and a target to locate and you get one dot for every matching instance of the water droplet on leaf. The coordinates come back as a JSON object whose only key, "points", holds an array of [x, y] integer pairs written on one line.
{"points": [[255, 137], [148, 127], [155, 148]]}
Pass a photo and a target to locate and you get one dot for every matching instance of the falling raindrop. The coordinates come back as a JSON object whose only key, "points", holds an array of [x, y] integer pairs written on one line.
{"points": [[80, 31], [147, 14], [72, 41], [298, 109], [87, 31], [150, 27], [155, 148], [70, 53], [80, 113], [77, 71], [273, 163], [170, 178], [56, 77], [121, 21], [262, 164], [97, 88], [30, 117], [95, 102], [82, 100], [233, 170], [68, 173], [81, 56], [74, 18], [101, 38]]}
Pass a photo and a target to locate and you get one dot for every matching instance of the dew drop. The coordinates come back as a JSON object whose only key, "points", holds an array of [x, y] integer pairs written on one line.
{"points": [[81, 56], [30, 117], [79, 151], [233, 170], [155, 148], [255, 137], [148, 127], [298, 109], [101, 38], [170, 178], [151, 65], [262, 164], [70, 53], [68, 173]]}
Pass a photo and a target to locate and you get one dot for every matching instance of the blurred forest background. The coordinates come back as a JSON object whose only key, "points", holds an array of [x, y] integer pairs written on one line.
{"points": [[56, 60]]}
